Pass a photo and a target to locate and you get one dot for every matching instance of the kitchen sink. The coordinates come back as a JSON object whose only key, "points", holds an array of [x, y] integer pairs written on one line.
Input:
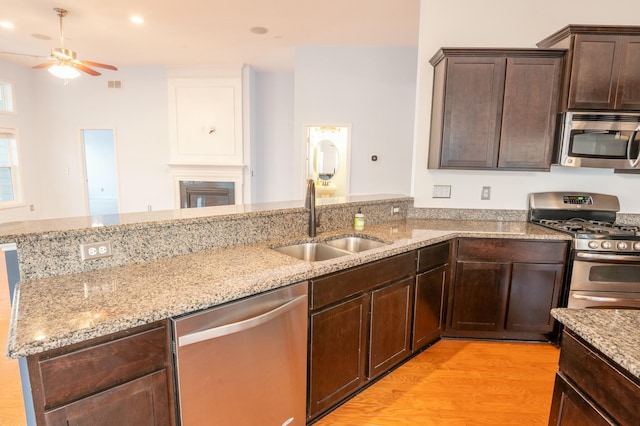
{"points": [[354, 244], [329, 249], [312, 251]]}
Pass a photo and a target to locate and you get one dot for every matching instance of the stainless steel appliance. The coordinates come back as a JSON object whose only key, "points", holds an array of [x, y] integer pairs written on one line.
{"points": [[600, 139], [244, 363], [604, 264]]}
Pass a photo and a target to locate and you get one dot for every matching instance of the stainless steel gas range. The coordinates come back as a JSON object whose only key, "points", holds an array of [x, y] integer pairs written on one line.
{"points": [[604, 265]]}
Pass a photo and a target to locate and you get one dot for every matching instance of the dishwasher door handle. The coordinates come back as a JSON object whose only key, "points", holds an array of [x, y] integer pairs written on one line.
{"points": [[223, 330]]}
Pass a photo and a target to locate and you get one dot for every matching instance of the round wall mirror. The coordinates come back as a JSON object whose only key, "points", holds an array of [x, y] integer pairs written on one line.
{"points": [[326, 160]]}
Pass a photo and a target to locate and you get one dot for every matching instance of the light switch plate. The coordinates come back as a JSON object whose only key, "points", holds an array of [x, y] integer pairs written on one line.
{"points": [[486, 193], [441, 191]]}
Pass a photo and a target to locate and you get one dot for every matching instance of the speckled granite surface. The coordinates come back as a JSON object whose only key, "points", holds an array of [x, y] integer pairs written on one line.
{"points": [[52, 247], [468, 214], [57, 311], [614, 332]]}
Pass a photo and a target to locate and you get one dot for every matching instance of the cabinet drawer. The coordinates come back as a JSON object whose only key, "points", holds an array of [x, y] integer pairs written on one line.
{"points": [[336, 287], [616, 393], [140, 402], [67, 376], [498, 250], [433, 256]]}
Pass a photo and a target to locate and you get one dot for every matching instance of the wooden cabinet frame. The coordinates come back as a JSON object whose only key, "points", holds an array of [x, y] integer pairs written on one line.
{"points": [[494, 108]]}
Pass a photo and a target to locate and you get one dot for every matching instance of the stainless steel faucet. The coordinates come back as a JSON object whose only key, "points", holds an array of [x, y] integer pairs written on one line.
{"points": [[310, 203]]}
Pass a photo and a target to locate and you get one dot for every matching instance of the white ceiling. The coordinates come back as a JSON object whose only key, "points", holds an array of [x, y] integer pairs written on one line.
{"points": [[203, 33]]}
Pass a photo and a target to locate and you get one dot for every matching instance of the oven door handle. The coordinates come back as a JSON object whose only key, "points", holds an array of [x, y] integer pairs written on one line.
{"points": [[599, 256], [633, 162], [603, 299]]}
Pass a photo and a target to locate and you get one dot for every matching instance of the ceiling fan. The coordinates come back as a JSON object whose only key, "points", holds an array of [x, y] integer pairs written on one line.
{"points": [[64, 63]]}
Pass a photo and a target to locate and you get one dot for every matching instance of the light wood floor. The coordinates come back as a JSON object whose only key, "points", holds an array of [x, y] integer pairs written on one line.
{"points": [[11, 405], [457, 382]]}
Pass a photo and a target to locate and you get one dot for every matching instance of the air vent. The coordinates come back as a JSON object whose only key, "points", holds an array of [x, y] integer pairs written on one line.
{"points": [[631, 118], [114, 84]]}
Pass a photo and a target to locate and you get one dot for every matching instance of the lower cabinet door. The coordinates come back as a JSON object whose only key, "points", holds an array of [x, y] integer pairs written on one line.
{"points": [[535, 290], [570, 408], [428, 307], [140, 402], [337, 355], [390, 337], [480, 296]]}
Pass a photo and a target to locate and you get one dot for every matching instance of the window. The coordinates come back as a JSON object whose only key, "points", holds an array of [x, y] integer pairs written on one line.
{"points": [[10, 190], [6, 97]]}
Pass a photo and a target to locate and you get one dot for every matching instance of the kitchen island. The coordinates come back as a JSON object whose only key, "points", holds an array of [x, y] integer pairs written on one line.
{"points": [[56, 311], [97, 317], [598, 381]]}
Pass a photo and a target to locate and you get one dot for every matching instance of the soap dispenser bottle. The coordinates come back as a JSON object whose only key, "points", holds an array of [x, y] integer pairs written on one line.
{"points": [[358, 221]]}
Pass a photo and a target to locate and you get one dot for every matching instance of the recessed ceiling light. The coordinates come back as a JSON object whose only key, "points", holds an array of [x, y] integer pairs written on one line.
{"points": [[137, 19], [7, 25], [259, 30]]}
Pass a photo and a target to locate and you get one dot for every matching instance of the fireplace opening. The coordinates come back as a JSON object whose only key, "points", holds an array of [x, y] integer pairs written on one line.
{"points": [[205, 194]]}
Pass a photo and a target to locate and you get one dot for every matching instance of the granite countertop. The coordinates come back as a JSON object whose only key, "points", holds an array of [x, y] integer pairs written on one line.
{"points": [[53, 312], [614, 332]]}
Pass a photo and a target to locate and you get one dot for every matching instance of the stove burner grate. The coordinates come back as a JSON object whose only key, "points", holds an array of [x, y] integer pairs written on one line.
{"points": [[594, 227]]}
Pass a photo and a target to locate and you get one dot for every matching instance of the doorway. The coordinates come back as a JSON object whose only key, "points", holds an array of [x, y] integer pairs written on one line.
{"points": [[328, 159], [101, 172]]}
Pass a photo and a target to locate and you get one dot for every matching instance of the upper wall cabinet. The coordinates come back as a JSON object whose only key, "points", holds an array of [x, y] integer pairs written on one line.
{"points": [[205, 121], [494, 108], [602, 67]]}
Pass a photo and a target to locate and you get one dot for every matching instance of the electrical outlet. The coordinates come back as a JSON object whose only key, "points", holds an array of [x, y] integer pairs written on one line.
{"points": [[486, 193], [89, 251], [441, 191], [395, 210]]}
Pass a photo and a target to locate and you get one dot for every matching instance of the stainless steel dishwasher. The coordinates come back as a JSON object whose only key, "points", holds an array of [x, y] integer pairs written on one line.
{"points": [[244, 363]]}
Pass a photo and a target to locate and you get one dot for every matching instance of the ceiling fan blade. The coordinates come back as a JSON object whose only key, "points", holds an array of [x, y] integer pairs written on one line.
{"points": [[46, 64], [99, 65], [86, 69], [21, 54]]}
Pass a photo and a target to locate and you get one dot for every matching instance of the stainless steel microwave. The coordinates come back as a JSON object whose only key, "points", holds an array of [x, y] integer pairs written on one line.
{"points": [[607, 140]]}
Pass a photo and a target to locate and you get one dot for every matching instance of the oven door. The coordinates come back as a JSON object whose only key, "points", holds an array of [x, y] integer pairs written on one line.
{"points": [[604, 280]]}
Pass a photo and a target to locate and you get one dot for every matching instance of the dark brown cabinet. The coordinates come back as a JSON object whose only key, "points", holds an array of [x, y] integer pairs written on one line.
{"points": [[132, 403], [590, 389], [360, 327], [338, 352], [494, 108], [123, 379], [390, 331], [505, 288], [432, 282], [602, 67]]}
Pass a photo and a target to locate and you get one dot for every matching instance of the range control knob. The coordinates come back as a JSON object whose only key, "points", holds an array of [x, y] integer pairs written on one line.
{"points": [[606, 245], [636, 246], [622, 245], [594, 244]]}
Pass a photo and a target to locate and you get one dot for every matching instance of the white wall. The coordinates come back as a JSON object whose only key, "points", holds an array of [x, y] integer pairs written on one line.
{"points": [[22, 120], [272, 137], [507, 23], [50, 117], [373, 89]]}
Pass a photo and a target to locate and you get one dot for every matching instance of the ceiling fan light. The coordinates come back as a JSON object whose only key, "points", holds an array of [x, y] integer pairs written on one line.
{"points": [[64, 71]]}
